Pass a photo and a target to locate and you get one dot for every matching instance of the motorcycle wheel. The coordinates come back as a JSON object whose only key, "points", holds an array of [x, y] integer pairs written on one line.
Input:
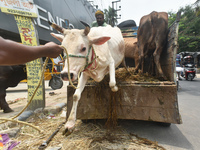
{"points": [[56, 82], [190, 77]]}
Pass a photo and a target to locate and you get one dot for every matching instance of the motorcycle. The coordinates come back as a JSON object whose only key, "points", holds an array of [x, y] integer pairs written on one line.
{"points": [[190, 72]]}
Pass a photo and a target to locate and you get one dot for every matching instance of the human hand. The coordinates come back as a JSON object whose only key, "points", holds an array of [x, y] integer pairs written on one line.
{"points": [[54, 50]]}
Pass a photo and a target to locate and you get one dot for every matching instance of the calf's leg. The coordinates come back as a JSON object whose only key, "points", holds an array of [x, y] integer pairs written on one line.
{"points": [[112, 82], [70, 124]]}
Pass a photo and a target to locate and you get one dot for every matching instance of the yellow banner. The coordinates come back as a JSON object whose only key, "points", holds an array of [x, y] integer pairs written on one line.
{"points": [[19, 7], [18, 12], [28, 37]]}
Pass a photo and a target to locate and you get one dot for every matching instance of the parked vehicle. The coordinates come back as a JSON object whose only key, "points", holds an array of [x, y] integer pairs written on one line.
{"points": [[189, 68], [179, 68], [52, 73], [190, 72]]}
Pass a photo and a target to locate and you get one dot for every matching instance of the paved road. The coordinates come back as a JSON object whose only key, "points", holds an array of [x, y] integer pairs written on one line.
{"points": [[184, 136]]}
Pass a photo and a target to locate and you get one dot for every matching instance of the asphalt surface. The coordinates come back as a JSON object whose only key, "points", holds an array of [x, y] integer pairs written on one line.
{"points": [[184, 136]]}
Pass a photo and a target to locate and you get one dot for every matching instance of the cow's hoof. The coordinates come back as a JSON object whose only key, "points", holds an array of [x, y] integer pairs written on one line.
{"points": [[162, 78], [66, 132], [8, 110], [114, 89]]}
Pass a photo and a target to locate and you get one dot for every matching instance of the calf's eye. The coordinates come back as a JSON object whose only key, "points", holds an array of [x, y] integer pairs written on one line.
{"points": [[83, 49]]}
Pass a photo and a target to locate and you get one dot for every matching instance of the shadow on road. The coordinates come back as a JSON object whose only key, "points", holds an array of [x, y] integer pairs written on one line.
{"points": [[154, 131]]}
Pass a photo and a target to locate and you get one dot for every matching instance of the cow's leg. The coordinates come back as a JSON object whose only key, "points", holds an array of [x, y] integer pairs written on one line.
{"points": [[141, 58], [156, 56], [142, 63], [3, 103], [69, 126], [112, 82], [136, 60], [124, 64], [151, 69]]}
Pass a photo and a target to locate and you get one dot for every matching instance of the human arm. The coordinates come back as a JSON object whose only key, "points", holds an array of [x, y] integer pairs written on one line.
{"points": [[62, 61], [13, 53]]}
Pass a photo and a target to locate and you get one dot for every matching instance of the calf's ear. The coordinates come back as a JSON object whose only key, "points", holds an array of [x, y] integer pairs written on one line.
{"points": [[99, 40], [59, 37]]}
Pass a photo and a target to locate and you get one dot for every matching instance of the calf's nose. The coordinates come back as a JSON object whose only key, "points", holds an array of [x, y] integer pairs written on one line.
{"points": [[64, 76]]}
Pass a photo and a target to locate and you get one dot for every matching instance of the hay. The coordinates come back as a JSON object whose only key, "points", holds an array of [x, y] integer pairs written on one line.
{"points": [[95, 136], [86, 136], [31, 139], [111, 102], [123, 75]]}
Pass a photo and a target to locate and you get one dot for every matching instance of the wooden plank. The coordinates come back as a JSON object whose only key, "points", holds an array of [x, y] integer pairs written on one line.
{"points": [[138, 102], [129, 31]]}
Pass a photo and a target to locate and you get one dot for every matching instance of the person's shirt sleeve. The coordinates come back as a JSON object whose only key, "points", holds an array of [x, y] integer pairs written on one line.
{"points": [[105, 24], [94, 24]]}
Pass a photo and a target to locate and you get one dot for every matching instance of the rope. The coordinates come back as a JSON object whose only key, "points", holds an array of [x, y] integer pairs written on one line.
{"points": [[70, 81], [96, 66], [42, 76], [12, 119], [21, 122]]}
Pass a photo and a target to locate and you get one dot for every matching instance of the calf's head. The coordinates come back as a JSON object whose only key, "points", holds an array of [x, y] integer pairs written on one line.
{"points": [[78, 45]]}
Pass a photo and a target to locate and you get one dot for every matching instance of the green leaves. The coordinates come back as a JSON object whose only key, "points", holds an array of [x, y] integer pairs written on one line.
{"points": [[110, 16], [189, 28]]}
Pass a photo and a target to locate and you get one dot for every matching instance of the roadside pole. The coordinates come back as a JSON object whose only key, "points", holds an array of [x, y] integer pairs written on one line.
{"points": [[24, 11]]}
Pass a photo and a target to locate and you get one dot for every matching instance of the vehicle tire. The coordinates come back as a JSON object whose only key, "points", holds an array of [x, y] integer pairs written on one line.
{"points": [[127, 23], [190, 77], [164, 124], [56, 82]]}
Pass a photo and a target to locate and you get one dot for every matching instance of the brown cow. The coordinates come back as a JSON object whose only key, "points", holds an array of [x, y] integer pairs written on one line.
{"points": [[131, 49], [152, 38]]}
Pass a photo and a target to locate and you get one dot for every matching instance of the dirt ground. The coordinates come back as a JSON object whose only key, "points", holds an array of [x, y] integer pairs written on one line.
{"points": [[86, 136]]}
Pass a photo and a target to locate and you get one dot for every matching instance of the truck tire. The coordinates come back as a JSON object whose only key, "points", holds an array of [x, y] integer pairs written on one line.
{"points": [[164, 124], [127, 23]]}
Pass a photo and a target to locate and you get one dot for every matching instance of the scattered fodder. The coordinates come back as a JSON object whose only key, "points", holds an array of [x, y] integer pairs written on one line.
{"points": [[123, 75], [86, 136]]}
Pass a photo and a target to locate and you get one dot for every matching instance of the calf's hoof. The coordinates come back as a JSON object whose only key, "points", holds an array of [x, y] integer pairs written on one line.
{"points": [[162, 78], [114, 89], [66, 132], [69, 127]]}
